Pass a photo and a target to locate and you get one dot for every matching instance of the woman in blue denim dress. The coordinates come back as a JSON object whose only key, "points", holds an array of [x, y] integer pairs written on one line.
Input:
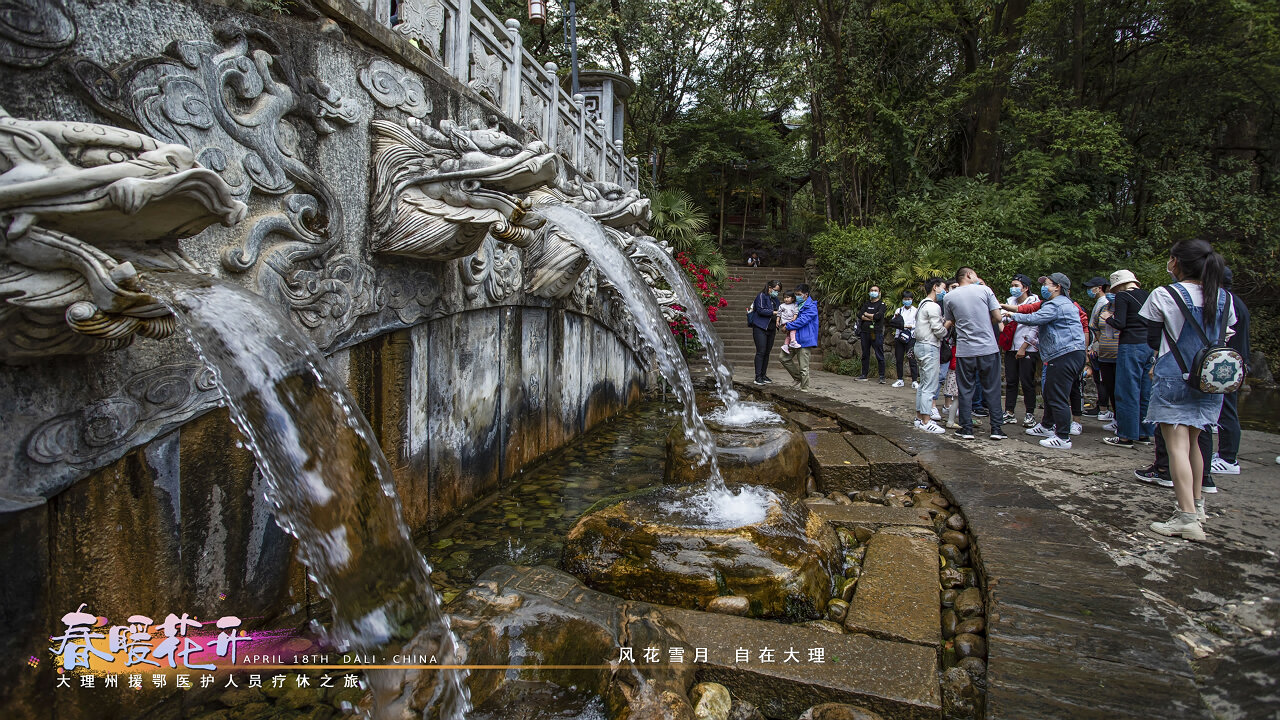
{"points": [[1181, 411]]}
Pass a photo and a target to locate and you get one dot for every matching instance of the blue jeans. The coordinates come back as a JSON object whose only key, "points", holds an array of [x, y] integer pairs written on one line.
{"points": [[1133, 390], [927, 357]]}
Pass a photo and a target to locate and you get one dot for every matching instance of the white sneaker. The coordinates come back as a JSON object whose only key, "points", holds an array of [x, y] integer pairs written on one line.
{"points": [[1076, 429], [898, 383], [1222, 467], [1039, 431], [1056, 443], [930, 427], [1029, 420], [1108, 415], [933, 414], [915, 384], [1182, 524], [1111, 427]]}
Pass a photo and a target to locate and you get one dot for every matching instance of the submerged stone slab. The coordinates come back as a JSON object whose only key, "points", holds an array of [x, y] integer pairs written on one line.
{"points": [[897, 680], [897, 595], [873, 516], [836, 464], [889, 464], [642, 549], [810, 421]]}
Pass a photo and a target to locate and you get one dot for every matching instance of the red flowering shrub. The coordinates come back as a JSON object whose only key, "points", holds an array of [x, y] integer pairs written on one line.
{"points": [[708, 291]]}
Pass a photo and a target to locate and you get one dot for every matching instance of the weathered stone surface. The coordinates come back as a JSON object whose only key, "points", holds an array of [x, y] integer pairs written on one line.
{"points": [[897, 680], [969, 603], [775, 456], [836, 464], [743, 710], [954, 537], [968, 645], [889, 464], [870, 517], [636, 549], [809, 421], [973, 626], [897, 595], [825, 626]]}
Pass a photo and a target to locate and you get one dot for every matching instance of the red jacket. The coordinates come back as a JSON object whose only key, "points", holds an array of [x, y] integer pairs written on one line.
{"points": [[1035, 305]]}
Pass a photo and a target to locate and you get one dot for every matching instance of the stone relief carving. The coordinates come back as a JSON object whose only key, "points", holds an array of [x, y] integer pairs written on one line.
{"points": [[82, 208], [160, 395], [33, 32], [437, 193], [423, 21], [494, 269], [486, 72], [239, 102], [394, 87], [533, 107]]}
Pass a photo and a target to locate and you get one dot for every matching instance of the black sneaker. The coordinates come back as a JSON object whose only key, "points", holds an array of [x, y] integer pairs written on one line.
{"points": [[862, 379], [964, 435], [758, 381], [1153, 477], [1118, 441], [1206, 485], [981, 412], [881, 381], [999, 435], [767, 380]]}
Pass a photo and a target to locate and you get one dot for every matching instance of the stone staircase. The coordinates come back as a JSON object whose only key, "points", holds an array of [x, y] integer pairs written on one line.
{"points": [[739, 348]]}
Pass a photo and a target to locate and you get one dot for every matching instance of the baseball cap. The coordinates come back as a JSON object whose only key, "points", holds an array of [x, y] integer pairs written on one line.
{"points": [[1092, 282], [1065, 281]]}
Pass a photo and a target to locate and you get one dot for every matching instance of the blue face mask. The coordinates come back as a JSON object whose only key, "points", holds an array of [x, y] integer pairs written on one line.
{"points": [[1045, 292], [874, 294], [906, 303], [773, 293], [1015, 291], [941, 294], [1111, 297]]}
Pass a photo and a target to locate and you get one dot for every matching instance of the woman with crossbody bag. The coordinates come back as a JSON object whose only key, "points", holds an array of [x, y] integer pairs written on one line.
{"points": [[1180, 318]]}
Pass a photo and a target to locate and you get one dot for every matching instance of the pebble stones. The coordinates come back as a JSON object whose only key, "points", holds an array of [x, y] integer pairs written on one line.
{"points": [[957, 538], [948, 597], [838, 711], [837, 610], [959, 695], [951, 577], [968, 645], [949, 624], [730, 605], [956, 522], [743, 710], [953, 555], [973, 626], [969, 603], [711, 701]]}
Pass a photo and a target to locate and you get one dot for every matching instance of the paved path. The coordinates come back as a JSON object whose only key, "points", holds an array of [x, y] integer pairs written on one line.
{"points": [[1218, 601]]}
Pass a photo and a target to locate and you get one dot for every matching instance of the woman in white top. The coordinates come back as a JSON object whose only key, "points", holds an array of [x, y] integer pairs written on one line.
{"points": [[1180, 410]]}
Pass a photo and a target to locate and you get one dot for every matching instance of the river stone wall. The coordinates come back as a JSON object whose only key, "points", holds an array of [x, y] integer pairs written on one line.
{"points": [[122, 482]]}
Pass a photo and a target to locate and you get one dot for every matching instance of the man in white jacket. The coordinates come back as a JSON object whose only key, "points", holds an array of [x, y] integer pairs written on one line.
{"points": [[930, 329]]}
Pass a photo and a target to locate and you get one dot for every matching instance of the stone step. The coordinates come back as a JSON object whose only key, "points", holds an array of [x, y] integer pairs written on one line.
{"points": [[897, 593], [890, 465], [809, 421], [897, 680], [836, 464], [873, 516]]}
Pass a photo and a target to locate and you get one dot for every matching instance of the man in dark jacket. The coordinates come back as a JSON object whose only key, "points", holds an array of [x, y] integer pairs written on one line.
{"points": [[871, 332]]}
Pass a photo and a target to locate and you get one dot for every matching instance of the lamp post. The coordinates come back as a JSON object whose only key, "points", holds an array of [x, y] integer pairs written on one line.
{"points": [[571, 39]]}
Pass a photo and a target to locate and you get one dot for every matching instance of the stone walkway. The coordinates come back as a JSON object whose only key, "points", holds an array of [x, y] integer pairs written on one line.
{"points": [[1092, 614]]}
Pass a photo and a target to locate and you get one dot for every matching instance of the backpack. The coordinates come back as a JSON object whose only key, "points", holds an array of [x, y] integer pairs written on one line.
{"points": [[1216, 369]]}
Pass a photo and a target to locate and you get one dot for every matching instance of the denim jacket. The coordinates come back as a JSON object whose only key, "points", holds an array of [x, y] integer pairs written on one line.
{"points": [[1060, 329]]}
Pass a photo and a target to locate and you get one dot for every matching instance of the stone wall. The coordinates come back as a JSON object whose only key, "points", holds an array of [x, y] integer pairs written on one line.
{"points": [[122, 482]]}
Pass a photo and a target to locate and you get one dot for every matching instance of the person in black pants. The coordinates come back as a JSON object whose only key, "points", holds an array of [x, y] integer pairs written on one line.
{"points": [[764, 327], [871, 332], [1158, 472], [1226, 461]]}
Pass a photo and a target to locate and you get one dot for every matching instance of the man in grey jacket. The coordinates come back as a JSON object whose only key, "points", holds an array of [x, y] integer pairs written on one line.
{"points": [[973, 310]]}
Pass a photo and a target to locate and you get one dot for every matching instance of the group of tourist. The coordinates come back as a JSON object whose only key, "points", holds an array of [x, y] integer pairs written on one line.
{"points": [[1137, 345]]}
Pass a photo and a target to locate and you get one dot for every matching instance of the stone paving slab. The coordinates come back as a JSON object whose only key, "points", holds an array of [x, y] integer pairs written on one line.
{"points": [[897, 594], [897, 680], [837, 466], [872, 516], [809, 421], [889, 464]]}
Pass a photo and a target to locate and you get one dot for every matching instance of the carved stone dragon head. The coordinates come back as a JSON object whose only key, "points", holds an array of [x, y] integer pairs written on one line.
{"points": [[80, 206], [611, 204], [437, 192]]}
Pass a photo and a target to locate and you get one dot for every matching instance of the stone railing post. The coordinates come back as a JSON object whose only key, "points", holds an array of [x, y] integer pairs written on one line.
{"points": [[604, 150], [552, 116], [580, 141], [511, 100], [462, 43]]}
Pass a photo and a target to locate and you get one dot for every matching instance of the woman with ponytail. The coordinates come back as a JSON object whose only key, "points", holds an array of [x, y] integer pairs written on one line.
{"points": [[1181, 411]]}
